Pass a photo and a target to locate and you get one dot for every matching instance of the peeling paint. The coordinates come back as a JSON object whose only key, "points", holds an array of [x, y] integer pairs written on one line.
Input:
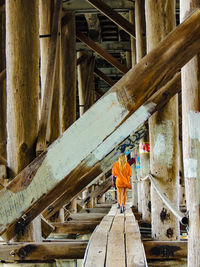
{"points": [[194, 124], [164, 142], [190, 168], [131, 124], [159, 146]]}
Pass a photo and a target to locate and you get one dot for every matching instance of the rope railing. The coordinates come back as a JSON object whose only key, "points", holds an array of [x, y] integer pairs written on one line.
{"points": [[181, 216]]}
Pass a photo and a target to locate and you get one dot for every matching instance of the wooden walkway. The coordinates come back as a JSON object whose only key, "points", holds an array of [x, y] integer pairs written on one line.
{"points": [[116, 242]]}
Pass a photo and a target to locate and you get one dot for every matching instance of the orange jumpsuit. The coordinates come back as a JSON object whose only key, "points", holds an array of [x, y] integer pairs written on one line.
{"points": [[122, 181], [123, 178]]}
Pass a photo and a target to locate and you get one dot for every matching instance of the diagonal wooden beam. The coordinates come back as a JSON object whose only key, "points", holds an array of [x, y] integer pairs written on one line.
{"points": [[114, 16], [43, 251], [110, 121], [104, 77], [99, 191], [96, 48], [50, 77], [106, 165]]}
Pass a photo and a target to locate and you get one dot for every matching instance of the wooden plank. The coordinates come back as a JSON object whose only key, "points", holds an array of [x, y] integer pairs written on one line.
{"points": [[42, 251], [49, 84], [57, 163], [96, 48], [134, 248], [115, 250], [134, 251], [75, 227], [96, 253], [165, 249], [104, 77], [114, 16]]}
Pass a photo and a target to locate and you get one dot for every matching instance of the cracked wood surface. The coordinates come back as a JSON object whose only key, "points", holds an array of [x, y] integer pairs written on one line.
{"points": [[95, 136]]}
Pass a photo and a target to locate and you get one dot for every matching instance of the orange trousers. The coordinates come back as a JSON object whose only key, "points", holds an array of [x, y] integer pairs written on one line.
{"points": [[121, 195]]}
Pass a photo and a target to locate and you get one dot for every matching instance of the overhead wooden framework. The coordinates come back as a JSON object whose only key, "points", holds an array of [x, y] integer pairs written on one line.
{"points": [[114, 16], [124, 98], [97, 49]]}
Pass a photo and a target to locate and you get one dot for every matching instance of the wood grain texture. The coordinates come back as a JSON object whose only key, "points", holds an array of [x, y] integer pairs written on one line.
{"points": [[61, 162], [42, 251], [113, 15]]}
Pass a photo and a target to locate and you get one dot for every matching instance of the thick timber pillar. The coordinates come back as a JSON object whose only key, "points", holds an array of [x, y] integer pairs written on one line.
{"points": [[2, 89], [133, 48], [134, 182], [144, 150], [191, 142], [163, 126], [68, 51], [22, 61], [140, 28]]}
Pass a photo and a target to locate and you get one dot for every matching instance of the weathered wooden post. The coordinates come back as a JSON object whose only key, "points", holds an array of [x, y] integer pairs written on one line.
{"points": [[191, 143], [133, 48], [3, 134], [163, 126], [134, 184], [140, 26], [144, 150], [22, 61]]}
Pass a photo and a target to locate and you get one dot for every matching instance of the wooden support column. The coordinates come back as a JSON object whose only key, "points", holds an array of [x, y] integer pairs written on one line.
{"points": [[124, 110], [3, 134], [163, 126], [140, 26], [144, 171], [50, 77], [134, 184], [191, 143], [22, 60], [68, 96], [133, 42]]}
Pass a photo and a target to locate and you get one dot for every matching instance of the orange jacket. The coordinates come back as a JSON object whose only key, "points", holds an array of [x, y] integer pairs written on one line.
{"points": [[123, 178]]}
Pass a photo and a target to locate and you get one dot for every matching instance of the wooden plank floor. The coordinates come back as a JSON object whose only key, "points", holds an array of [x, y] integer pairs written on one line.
{"points": [[115, 242]]}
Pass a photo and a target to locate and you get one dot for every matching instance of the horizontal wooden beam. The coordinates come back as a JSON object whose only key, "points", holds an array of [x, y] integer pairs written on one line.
{"points": [[109, 121], [99, 191], [165, 249], [77, 227], [83, 6], [100, 51], [114, 16], [45, 251], [109, 46], [104, 77]]}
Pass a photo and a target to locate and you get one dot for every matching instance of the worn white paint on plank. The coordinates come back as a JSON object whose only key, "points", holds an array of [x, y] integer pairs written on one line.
{"points": [[194, 124], [52, 171], [163, 142], [190, 168]]}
